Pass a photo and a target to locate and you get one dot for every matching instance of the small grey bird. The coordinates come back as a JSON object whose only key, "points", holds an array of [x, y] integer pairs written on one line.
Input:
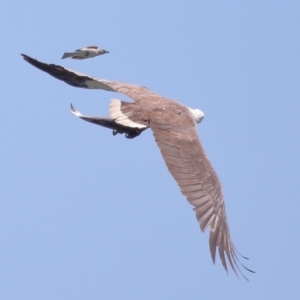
{"points": [[85, 52]]}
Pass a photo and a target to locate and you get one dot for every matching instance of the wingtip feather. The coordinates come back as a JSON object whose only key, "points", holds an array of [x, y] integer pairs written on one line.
{"points": [[75, 112]]}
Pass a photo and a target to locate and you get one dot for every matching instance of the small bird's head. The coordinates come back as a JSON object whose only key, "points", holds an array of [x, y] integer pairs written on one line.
{"points": [[101, 51]]}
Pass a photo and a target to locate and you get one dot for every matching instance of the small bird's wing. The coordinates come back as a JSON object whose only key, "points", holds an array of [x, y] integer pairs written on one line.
{"points": [[177, 138], [76, 79], [90, 47]]}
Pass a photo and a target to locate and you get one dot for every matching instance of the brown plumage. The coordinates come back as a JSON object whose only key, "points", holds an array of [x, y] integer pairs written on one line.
{"points": [[174, 129]]}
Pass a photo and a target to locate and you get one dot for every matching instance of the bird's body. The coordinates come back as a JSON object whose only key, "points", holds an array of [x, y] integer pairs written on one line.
{"points": [[85, 52], [175, 132]]}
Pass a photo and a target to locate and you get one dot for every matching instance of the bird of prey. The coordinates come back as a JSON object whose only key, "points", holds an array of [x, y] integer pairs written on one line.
{"points": [[85, 52], [175, 132]]}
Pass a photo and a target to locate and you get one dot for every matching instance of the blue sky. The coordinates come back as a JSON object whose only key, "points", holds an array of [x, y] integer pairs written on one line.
{"points": [[85, 215]]}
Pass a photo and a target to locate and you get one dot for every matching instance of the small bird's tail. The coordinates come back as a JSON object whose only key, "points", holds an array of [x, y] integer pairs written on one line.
{"points": [[68, 54]]}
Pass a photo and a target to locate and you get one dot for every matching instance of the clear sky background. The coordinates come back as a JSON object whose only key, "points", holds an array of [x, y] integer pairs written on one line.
{"points": [[85, 215]]}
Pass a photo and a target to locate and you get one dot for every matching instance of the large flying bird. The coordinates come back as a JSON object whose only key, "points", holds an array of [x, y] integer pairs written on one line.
{"points": [[85, 52], [174, 129]]}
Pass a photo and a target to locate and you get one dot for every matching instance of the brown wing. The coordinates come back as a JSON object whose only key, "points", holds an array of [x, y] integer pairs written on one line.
{"points": [[90, 47], [76, 79], [176, 135], [87, 47]]}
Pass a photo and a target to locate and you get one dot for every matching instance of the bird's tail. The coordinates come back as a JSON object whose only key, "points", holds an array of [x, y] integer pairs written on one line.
{"points": [[68, 54]]}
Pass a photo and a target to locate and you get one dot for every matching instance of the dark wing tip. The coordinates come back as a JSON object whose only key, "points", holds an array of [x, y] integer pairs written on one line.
{"points": [[235, 262], [26, 57], [75, 112], [229, 256], [249, 270], [29, 59]]}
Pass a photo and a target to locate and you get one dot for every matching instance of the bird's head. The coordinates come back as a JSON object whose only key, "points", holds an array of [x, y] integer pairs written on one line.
{"points": [[197, 114]]}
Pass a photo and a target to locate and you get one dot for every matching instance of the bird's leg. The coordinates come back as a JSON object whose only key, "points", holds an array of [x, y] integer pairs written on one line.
{"points": [[115, 132]]}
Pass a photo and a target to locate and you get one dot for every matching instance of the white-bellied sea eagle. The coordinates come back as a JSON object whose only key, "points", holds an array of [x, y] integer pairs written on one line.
{"points": [[175, 132]]}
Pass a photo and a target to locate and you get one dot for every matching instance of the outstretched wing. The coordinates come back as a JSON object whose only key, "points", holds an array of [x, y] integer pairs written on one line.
{"points": [[90, 47], [110, 123], [177, 138], [76, 79]]}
